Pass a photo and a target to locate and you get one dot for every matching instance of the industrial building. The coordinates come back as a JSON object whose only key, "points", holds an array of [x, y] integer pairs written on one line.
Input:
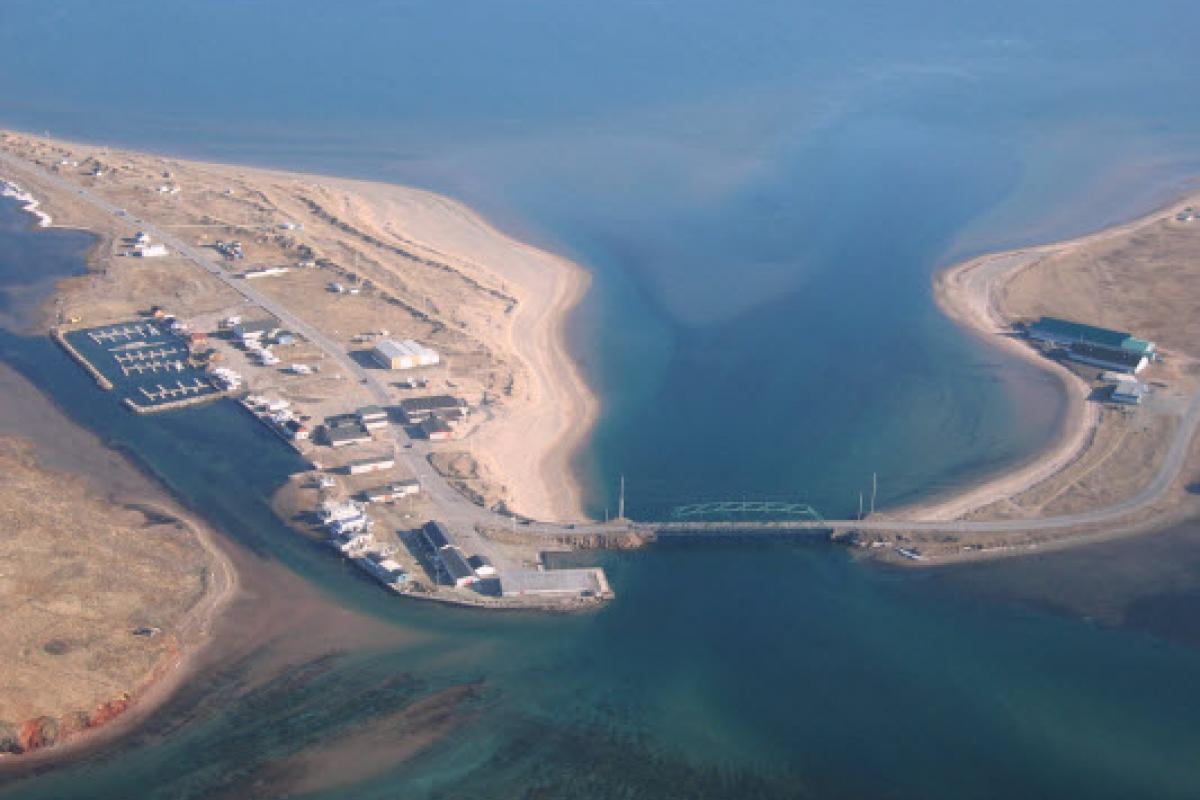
{"points": [[455, 565], [1107, 357], [435, 535], [404, 354], [1088, 344], [418, 409]]}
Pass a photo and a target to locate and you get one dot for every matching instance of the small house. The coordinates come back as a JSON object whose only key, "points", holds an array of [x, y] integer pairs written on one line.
{"points": [[436, 429], [373, 464]]}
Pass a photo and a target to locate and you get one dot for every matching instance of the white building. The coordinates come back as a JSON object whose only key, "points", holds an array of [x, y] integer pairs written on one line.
{"points": [[151, 251], [404, 354]]}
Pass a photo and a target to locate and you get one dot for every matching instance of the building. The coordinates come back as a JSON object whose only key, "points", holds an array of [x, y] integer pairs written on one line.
{"points": [[342, 435], [294, 429], [455, 565], [404, 354], [256, 330], [482, 566], [1108, 358], [150, 251], [372, 464], [436, 429], [418, 409], [1128, 393], [1065, 332], [392, 491], [264, 272], [372, 417], [435, 536]]}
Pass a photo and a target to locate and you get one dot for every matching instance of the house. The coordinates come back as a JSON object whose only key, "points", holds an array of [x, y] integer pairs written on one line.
{"points": [[295, 430], [150, 251], [1128, 393], [343, 435], [255, 330], [482, 566], [372, 464], [392, 491], [372, 417], [418, 409], [404, 354], [264, 272], [436, 429], [455, 565], [197, 339]]}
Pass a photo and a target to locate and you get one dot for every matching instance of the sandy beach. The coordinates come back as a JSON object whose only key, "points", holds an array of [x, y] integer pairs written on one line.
{"points": [[1137, 276], [490, 300]]}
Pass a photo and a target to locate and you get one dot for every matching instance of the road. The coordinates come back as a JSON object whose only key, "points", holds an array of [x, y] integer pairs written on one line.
{"points": [[463, 516], [455, 510]]}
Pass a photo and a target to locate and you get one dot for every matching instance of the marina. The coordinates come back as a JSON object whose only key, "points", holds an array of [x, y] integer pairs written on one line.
{"points": [[149, 368]]}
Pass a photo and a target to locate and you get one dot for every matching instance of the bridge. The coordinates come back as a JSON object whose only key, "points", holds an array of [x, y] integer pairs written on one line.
{"points": [[765, 518], [741, 509]]}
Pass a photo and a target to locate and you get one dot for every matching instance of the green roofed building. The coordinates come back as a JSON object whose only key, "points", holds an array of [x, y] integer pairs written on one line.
{"points": [[1062, 331]]}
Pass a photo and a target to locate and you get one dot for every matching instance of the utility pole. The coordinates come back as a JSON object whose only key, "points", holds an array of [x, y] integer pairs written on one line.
{"points": [[621, 500], [874, 490]]}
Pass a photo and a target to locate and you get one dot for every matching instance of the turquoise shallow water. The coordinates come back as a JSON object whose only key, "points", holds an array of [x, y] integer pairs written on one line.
{"points": [[762, 194]]}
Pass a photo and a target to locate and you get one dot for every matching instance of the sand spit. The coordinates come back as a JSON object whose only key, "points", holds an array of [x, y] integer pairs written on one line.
{"points": [[1139, 276], [409, 262]]}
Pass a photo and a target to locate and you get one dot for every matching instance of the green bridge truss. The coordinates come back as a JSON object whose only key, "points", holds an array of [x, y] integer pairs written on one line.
{"points": [[742, 509]]}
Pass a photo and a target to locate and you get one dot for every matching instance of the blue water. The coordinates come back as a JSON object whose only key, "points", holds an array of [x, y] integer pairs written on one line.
{"points": [[762, 192]]}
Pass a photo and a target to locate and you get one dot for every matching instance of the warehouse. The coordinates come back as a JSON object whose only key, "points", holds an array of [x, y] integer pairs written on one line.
{"points": [[1117, 360], [435, 535], [1065, 332], [418, 409], [405, 354], [455, 565]]}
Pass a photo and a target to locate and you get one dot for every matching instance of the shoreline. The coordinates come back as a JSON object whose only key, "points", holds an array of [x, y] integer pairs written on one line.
{"points": [[564, 408], [531, 445], [968, 292], [123, 481]]}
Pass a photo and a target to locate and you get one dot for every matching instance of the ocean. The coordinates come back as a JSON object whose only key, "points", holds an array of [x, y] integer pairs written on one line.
{"points": [[762, 194]]}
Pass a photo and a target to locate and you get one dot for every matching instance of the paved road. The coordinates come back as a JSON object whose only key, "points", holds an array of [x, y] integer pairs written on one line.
{"points": [[463, 516]]}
